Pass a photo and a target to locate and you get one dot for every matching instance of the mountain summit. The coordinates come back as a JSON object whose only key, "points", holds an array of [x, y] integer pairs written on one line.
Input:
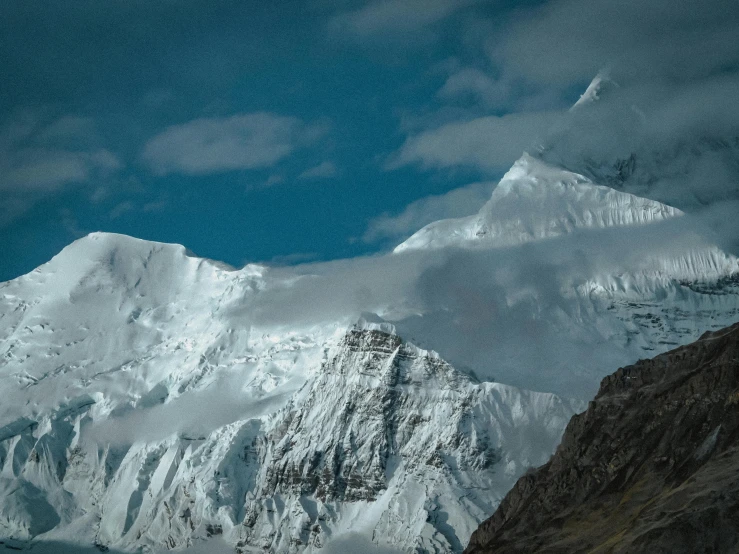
{"points": [[536, 201]]}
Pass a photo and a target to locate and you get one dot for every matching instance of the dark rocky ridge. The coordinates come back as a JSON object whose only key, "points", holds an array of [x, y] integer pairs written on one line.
{"points": [[651, 466]]}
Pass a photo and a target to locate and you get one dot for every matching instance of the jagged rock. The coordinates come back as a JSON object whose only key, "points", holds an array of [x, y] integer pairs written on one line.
{"points": [[651, 466], [381, 429], [385, 423]]}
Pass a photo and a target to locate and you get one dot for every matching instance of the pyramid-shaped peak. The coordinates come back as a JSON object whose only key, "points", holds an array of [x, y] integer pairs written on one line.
{"points": [[536, 200], [531, 175], [600, 85]]}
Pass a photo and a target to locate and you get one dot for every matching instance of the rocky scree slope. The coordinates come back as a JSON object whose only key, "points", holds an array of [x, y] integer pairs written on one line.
{"points": [[651, 466]]}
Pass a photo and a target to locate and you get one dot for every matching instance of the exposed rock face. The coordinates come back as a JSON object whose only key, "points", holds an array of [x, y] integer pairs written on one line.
{"points": [[383, 439], [651, 466], [393, 436]]}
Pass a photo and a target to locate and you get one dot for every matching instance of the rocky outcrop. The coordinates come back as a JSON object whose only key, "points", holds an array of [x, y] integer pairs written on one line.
{"points": [[651, 465], [393, 435], [383, 439]]}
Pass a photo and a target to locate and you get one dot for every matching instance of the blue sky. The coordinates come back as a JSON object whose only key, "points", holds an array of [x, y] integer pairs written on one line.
{"points": [[290, 131]]}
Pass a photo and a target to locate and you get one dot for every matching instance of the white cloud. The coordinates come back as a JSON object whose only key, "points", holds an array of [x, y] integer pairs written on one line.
{"points": [[46, 169], [397, 16], [32, 160], [490, 143], [563, 41], [121, 209], [39, 156], [324, 170], [218, 144], [472, 301], [195, 412], [475, 83], [41, 169], [459, 202]]}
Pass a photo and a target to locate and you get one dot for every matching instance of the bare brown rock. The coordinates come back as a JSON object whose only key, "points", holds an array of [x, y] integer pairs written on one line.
{"points": [[651, 466]]}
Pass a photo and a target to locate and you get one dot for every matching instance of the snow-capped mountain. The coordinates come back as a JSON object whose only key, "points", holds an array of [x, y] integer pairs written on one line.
{"points": [[585, 277], [536, 201], [364, 433], [151, 398], [642, 141], [391, 440], [144, 408]]}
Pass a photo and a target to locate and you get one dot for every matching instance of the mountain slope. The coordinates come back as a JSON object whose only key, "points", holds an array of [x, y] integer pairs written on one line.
{"points": [[151, 398], [535, 201], [571, 278], [381, 432], [651, 466]]}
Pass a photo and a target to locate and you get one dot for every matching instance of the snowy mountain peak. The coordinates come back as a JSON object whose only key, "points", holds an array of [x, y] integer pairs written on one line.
{"points": [[372, 322], [599, 86], [535, 201], [123, 253], [393, 432], [386, 356], [380, 440]]}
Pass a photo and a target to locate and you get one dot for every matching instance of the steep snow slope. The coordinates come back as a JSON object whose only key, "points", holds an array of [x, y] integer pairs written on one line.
{"points": [[577, 277], [112, 315], [382, 438], [535, 201]]}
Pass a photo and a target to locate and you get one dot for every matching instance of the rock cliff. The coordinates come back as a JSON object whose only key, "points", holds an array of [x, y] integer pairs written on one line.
{"points": [[650, 466]]}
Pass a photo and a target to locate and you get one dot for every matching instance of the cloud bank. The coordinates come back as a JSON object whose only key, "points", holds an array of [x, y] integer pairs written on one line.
{"points": [[218, 144], [459, 202], [490, 143]]}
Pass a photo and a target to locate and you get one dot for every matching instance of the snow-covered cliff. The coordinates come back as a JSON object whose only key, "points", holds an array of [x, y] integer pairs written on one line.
{"points": [[382, 438], [150, 399]]}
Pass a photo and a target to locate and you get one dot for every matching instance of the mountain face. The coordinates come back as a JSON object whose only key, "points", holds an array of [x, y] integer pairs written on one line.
{"points": [[581, 274], [650, 466], [383, 439], [388, 438], [150, 399], [536, 201], [640, 141]]}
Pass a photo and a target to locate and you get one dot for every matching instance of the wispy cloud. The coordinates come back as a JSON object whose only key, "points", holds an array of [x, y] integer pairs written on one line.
{"points": [[459, 202], [31, 159], [41, 155], [473, 301], [324, 170], [122, 209], [488, 143], [563, 41], [472, 82], [396, 16], [219, 144], [196, 412]]}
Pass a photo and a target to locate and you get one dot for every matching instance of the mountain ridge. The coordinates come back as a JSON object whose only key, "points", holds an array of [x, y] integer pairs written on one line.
{"points": [[650, 466], [285, 480], [153, 399], [535, 200]]}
